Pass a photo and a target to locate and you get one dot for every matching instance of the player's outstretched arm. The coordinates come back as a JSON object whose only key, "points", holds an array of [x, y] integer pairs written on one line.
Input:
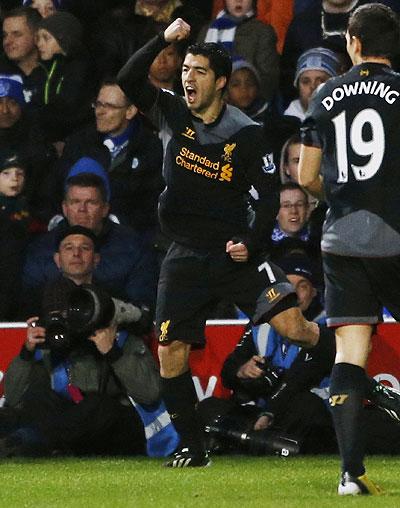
{"points": [[309, 170], [133, 77]]}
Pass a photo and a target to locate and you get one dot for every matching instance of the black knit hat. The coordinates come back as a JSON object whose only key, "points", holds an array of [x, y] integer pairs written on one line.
{"points": [[66, 29], [297, 264]]}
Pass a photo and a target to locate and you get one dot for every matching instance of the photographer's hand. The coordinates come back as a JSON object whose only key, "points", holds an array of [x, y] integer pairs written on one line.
{"points": [[35, 334], [250, 369], [104, 338], [264, 422]]}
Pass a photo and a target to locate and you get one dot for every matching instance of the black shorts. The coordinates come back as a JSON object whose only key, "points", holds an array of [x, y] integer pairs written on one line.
{"points": [[357, 288], [192, 281]]}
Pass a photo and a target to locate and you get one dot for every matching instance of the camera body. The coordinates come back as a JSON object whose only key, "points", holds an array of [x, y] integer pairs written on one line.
{"points": [[87, 309], [261, 387], [59, 336]]}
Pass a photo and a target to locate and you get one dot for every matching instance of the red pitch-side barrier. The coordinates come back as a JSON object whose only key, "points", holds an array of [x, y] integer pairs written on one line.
{"points": [[222, 337]]}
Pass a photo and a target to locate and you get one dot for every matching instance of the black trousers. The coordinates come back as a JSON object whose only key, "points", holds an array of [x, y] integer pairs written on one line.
{"points": [[99, 424]]}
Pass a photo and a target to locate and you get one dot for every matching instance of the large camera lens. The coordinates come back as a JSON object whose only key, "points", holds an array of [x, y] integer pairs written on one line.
{"points": [[89, 308]]}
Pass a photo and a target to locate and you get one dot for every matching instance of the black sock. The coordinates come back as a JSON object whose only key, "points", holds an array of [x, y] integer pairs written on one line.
{"points": [[347, 392], [326, 346], [180, 399]]}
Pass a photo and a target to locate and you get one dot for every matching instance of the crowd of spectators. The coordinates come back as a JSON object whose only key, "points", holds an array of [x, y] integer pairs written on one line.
{"points": [[74, 151]]}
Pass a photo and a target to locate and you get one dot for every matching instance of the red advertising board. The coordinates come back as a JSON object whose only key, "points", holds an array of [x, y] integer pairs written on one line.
{"points": [[222, 337]]}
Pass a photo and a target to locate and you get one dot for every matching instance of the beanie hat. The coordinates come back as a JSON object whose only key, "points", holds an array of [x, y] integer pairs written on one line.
{"points": [[89, 165], [10, 159], [11, 85], [317, 59], [65, 28], [57, 3], [244, 64], [297, 264], [76, 230]]}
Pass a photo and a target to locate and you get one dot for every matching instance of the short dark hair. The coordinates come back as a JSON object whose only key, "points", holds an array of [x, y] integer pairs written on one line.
{"points": [[86, 180], [31, 15], [218, 57], [292, 186], [378, 29]]}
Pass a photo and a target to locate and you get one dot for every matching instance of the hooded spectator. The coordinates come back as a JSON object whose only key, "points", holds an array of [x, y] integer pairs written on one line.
{"points": [[65, 97], [244, 90]]}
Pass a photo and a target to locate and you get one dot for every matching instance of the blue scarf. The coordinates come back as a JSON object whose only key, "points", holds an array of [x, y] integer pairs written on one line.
{"points": [[116, 144], [223, 29], [278, 235]]}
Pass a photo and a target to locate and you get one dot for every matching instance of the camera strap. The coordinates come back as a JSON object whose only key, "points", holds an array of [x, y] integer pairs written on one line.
{"points": [[61, 382]]}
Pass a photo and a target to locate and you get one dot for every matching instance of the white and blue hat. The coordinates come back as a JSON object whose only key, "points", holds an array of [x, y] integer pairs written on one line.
{"points": [[317, 59]]}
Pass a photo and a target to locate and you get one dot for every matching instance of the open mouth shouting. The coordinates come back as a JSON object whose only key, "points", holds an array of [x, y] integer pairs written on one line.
{"points": [[190, 93]]}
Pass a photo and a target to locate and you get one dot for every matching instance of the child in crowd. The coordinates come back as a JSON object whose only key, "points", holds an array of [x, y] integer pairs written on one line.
{"points": [[248, 38], [244, 91], [12, 180], [14, 228], [65, 98]]}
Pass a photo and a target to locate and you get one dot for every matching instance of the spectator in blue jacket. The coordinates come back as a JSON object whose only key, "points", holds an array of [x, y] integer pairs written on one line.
{"points": [[127, 269]]}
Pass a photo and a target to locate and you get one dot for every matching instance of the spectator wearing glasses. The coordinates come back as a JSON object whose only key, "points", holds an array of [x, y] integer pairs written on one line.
{"points": [[293, 231], [130, 152], [293, 213]]}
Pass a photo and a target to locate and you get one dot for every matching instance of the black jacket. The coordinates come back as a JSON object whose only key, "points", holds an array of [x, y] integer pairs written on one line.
{"points": [[63, 102], [135, 174], [28, 139]]}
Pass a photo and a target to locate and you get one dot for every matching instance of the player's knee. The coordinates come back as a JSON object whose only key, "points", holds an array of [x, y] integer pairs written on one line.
{"points": [[297, 331], [291, 324], [173, 358]]}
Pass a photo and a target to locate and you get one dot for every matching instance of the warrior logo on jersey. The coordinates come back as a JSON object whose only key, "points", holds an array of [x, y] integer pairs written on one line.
{"points": [[228, 149], [269, 166], [272, 295], [364, 72], [338, 400], [189, 133]]}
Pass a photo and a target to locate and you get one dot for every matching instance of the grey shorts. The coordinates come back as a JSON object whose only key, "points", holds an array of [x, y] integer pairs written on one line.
{"points": [[358, 288]]}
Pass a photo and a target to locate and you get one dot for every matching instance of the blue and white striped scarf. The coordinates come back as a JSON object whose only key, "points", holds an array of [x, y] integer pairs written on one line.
{"points": [[223, 29]]}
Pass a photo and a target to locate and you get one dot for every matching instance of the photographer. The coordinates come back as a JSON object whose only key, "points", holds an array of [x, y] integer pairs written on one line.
{"points": [[280, 390], [275, 377], [81, 393]]}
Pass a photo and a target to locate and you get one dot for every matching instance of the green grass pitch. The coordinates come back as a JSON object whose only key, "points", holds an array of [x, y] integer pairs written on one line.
{"points": [[237, 481]]}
